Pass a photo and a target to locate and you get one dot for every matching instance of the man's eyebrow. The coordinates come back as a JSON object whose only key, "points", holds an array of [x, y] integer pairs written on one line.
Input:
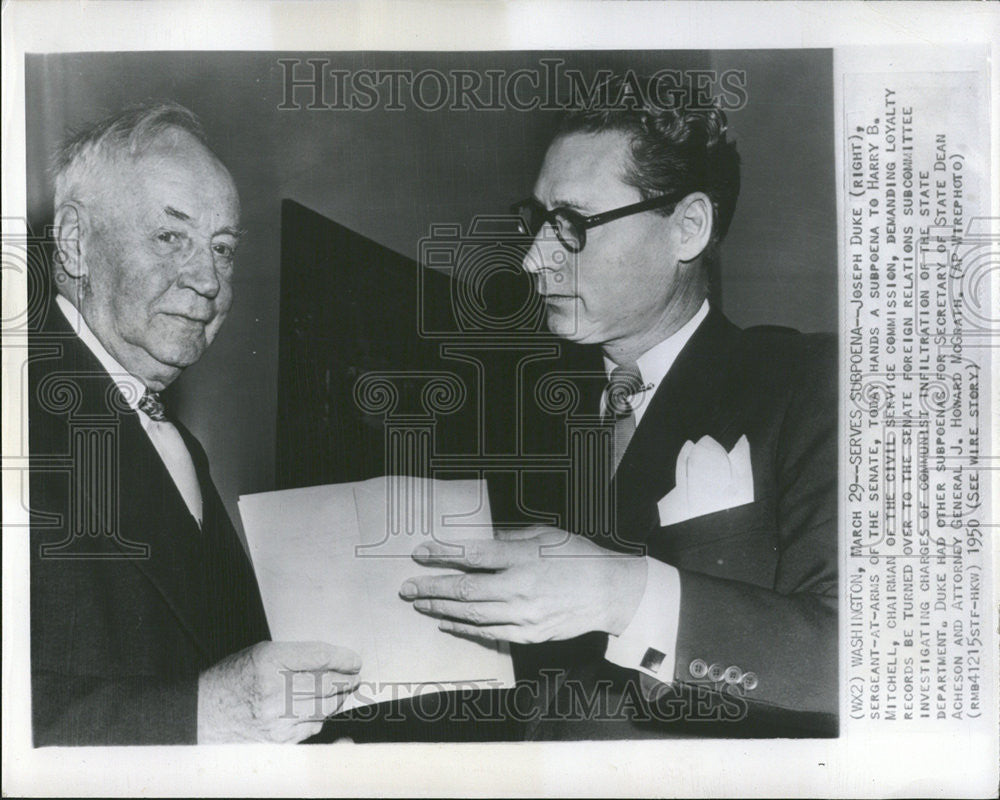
{"points": [[173, 212], [236, 233], [566, 202]]}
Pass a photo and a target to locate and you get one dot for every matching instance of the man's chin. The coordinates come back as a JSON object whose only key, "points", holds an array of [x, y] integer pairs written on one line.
{"points": [[564, 322], [180, 360], [177, 351], [173, 360]]}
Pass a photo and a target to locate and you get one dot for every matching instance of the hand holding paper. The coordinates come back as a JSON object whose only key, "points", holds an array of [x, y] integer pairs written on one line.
{"points": [[330, 560], [274, 692], [534, 585]]}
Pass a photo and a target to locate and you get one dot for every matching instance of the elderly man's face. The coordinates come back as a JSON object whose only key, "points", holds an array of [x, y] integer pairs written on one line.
{"points": [[159, 258], [621, 286]]}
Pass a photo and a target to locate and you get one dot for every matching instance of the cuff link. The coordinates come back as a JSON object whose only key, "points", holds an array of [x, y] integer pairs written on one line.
{"points": [[653, 660], [698, 669]]}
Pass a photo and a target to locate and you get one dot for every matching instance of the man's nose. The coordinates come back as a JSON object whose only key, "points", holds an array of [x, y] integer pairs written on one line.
{"points": [[199, 272], [545, 253]]}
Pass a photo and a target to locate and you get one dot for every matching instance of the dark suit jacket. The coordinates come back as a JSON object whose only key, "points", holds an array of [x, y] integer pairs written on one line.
{"points": [[758, 581], [129, 599]]}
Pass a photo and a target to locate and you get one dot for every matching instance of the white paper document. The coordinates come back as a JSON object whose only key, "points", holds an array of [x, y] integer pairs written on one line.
{"points": [[330, 561]]}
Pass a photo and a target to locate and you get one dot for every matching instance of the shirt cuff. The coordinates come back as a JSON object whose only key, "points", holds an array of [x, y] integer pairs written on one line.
{"points": [[649, 642]]}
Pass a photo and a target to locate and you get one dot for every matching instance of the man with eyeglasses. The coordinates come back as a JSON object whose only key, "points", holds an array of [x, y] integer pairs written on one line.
{"points": [[709, 604]]}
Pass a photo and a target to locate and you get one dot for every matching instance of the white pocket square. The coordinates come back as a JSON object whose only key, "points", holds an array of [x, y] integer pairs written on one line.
{"points": [[708, 479]]}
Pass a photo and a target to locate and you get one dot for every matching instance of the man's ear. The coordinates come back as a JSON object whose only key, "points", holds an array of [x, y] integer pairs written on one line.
{"points": [[694, 213], [69, 227]]}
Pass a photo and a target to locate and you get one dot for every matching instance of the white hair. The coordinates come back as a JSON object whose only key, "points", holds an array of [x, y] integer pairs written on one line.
{"points": [[85, 156]]}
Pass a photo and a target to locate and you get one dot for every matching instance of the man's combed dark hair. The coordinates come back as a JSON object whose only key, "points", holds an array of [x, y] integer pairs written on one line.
{"points": [[675, 148]]}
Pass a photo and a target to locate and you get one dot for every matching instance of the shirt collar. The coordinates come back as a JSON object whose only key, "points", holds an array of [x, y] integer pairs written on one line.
{"points": [[131, 388], [656, 362]]}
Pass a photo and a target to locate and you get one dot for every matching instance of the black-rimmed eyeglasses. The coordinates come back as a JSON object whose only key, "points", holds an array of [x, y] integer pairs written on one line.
{"points": [[571, 226]]}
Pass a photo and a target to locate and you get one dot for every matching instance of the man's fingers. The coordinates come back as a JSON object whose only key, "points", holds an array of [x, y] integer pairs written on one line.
{"points": [[322, 683], [520, 534], [340, 683], [309, 656], [296, 731], [468, 554], [305, 709], [466, 587], [287, 734], [490, 633], [488, 613], [307, 729], [514, 534]]}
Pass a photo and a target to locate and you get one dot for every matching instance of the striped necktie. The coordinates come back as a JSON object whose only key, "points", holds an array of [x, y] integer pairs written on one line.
{"points": [[624, 383]]}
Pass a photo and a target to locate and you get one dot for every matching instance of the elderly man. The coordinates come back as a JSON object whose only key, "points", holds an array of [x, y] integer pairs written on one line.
{"points": [[146, 620], [711, 606]]}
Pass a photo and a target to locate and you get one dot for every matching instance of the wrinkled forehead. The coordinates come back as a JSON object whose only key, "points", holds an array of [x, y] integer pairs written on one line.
{"points": [[178, 157], [177, 168], [585, 168]]}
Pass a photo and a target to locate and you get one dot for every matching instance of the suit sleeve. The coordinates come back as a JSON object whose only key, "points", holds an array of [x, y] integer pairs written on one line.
{"points": [[75, 710], [781, 639]]}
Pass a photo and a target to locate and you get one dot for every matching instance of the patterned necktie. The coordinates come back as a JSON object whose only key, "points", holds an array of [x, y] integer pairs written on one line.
{"points": [[624, 383], [173, 452], [151, 405]]}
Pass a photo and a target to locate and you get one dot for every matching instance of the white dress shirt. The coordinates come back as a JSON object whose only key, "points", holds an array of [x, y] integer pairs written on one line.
{"points": [[655, 623], [164, 435]]}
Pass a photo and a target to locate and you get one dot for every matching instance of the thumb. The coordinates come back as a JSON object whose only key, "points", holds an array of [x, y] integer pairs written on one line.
{"points": [[319, 655]]}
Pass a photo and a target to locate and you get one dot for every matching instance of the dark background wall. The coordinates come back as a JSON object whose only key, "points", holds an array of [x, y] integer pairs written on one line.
{"points": [[390, 174]]}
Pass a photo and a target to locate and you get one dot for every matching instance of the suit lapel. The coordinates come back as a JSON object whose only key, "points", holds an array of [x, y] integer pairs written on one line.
{"points": [[151, 505], [234, 612], [149, 509], [691, 401]]}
